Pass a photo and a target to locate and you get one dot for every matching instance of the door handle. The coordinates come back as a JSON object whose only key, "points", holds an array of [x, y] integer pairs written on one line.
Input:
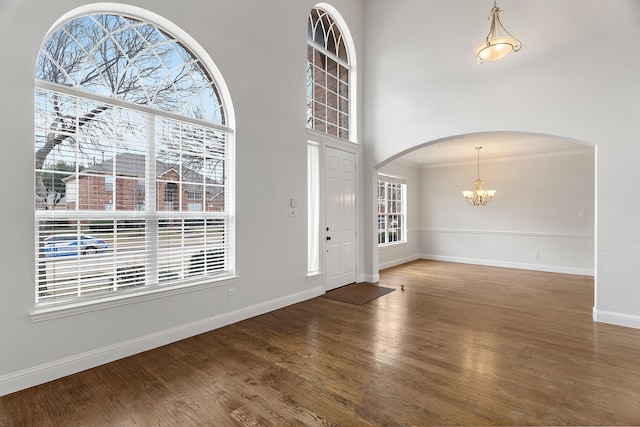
{"points": [[328, 237]]}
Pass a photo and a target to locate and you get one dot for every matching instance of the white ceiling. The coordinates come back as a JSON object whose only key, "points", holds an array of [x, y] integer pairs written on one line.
{"points": [[495, 145]]}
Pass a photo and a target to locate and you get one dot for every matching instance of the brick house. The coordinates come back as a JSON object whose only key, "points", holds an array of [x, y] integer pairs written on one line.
{"points": [[119, 184]]}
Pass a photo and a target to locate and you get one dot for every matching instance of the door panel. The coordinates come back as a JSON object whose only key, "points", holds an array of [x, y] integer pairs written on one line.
{"points": [[340, 218]]}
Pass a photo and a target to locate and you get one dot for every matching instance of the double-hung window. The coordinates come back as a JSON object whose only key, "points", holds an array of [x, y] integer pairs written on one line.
{"points": [[391, 210], [132, 128]]}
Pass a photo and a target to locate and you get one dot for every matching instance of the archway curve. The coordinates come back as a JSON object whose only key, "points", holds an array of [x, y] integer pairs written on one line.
{"points": [[560, 144], [520, 144]]}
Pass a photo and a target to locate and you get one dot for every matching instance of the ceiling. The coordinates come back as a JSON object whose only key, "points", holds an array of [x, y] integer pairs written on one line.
{"points": [[495, 145]]}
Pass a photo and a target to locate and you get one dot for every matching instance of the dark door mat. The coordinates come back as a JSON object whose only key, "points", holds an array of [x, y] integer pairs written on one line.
{"points": [[358, 293]]}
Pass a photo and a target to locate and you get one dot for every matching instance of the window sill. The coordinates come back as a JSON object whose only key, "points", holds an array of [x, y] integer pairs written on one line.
{"points": [[71, 309], [388, 245]]}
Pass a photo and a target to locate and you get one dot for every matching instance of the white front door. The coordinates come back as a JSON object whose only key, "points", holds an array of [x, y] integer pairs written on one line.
{"points": [[340, 218]]}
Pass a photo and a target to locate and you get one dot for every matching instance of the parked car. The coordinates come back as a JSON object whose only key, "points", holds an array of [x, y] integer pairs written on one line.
{"points": [[73, 244]]}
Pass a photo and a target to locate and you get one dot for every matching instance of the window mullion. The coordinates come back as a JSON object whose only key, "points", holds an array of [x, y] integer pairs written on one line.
{"points": [[151, 227], [330, 54]]}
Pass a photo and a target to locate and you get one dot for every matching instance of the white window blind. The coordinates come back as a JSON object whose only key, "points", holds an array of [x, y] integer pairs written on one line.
{"points": [[115, 232]]}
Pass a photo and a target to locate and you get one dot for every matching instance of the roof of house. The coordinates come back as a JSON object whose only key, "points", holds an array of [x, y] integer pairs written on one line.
{"points": [[130, 164]]}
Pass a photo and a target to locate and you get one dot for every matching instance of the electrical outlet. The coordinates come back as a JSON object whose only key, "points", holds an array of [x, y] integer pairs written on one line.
{"points": [[536, 255], [232, 293]]}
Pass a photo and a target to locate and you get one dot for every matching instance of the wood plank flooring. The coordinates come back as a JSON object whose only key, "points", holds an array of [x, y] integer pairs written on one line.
{"points": [[462, 345]]}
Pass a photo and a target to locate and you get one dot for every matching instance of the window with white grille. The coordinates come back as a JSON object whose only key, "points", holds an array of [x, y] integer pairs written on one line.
{"points": [[328, 76], [133, 163], [391, 211]]}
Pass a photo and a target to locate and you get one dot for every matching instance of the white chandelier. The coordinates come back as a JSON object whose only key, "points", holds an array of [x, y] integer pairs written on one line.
{"points": [[499, 41], [479, 196]]}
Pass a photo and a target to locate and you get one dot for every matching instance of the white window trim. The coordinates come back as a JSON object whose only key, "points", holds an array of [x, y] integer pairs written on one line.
{"points": [[43, 313], [194, 46], [353, 67], [395, 179], [101, 301], [313, 209], [353, 64]]}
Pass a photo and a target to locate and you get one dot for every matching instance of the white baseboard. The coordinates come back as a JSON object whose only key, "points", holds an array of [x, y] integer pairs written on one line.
{"points": [[619, 319], [57, 369], [516, 265], [399, 261]]}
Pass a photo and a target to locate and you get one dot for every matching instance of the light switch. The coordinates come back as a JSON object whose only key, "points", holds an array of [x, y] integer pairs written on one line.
{"points": [[293, 202]]}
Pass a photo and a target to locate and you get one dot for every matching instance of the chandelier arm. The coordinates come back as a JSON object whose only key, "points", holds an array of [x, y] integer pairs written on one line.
{"points": [[492, 27], [519, 43], [478, 196]]}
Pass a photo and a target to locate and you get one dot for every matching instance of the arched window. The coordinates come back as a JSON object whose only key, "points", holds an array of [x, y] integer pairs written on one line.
{"points": [[128, 123], [329, 83]]}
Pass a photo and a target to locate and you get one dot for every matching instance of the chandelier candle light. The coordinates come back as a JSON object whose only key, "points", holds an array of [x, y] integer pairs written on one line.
{"points": [[479, 196], [499, 41]]}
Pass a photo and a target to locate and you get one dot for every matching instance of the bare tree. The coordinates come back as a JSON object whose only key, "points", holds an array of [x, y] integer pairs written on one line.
{"points": [[115, 57]]}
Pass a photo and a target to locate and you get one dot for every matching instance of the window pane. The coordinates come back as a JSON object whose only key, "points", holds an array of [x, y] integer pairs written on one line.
{"points": [[332, 70], [332, 103], [343, 90], [215, 198]]}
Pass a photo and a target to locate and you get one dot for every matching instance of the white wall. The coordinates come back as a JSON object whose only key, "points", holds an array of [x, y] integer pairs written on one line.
{"points": [[543, 205], [260, 49], [573, 78], [585, 86]]}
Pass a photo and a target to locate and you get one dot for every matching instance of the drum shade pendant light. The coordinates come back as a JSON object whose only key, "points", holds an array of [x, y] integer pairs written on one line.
{"points": [[479, 196], [499, 41]]}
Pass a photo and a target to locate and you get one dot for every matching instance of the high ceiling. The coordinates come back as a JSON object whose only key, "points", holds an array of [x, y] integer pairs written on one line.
{"points": [[495, 145], [424, 91]]}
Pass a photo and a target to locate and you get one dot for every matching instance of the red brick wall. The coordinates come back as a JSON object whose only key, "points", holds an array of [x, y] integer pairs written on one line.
{"points": [[92, 194]]}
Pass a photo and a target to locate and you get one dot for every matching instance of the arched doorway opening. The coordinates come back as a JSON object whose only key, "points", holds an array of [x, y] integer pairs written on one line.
{"points": [[542, 218]]}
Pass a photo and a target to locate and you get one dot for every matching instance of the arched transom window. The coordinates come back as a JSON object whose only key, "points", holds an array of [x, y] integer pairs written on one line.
{"points": [[132, 162], [328, 76]]}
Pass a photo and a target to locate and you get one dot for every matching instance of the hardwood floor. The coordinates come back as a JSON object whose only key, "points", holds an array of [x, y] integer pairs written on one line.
{"points": [[462, 345]]}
